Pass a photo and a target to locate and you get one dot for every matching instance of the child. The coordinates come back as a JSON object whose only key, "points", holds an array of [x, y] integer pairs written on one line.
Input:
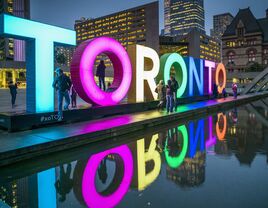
{"points": [[73, 97], [160, 90]]}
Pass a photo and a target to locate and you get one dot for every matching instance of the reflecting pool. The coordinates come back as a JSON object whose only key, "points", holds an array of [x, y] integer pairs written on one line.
{"points": [[220, 160]]}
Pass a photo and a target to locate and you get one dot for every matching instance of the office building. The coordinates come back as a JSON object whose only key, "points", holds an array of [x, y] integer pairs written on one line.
{"points": [[139, 25], [12, 52], [220, 23], [181, 16], [195, 44]]}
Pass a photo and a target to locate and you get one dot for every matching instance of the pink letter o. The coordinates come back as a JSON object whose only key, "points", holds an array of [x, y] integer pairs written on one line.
{"points": [[82, 71]]}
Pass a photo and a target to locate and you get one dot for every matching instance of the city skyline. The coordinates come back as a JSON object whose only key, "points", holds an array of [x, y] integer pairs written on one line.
{"points": [[72, 12]]}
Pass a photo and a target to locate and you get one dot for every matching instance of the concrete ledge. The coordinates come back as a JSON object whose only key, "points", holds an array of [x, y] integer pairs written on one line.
{"points": [[27, 145], [22, 121]]}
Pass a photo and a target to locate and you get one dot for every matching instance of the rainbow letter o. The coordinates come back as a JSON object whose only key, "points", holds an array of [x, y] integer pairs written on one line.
{"points": [[82, 71], [175, 59], [90, 194]]}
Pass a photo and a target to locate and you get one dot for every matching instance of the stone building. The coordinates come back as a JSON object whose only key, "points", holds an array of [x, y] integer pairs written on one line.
{"points": [[245, 47]]}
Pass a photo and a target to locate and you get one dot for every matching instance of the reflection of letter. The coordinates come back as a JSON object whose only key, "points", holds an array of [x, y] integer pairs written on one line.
{"points": [[199, 133], [46, 189], [144, 179], [40, 57], [139, 57], [210, 65], [221, 83], [211, 139], [175, 162], [90, 194], [196, 72], [181, 75], [221, 133]]}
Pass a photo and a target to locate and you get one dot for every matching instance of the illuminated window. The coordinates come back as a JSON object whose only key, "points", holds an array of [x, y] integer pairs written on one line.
{"points": [[231, 56], [252, 56]]}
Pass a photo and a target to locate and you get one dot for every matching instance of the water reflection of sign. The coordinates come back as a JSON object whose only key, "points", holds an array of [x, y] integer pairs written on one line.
{"points": [[221, 132], [149, 159], [195, 135], [90, 194], [175, 162], [143, 157]]}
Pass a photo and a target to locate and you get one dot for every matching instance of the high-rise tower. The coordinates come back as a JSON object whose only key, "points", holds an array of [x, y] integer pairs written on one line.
{"points": [[181, 16]]}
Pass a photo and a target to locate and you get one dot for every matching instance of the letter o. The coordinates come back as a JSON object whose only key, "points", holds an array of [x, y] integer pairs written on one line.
{"points": [[175, 59], [220, 68], [90, 194], [221, 133], [82, 71]]}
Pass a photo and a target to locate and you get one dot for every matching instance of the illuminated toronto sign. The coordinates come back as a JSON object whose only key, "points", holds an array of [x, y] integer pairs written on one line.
{"points": [[131, 70]]}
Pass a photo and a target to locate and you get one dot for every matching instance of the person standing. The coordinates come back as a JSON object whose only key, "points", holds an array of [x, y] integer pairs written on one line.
{"points": [[62, 84], [13, 92], [161, 91], [175, 87], [169, 97], [73, 96], [101, 74], [215, 91], [234, 88]]}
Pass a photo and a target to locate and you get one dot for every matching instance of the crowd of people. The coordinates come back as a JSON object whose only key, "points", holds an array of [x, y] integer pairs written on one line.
{"points": [[167, 94]]}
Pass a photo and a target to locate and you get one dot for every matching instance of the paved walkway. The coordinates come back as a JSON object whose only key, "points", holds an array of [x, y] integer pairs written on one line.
{"points": [[16, 146], [21, 101]]}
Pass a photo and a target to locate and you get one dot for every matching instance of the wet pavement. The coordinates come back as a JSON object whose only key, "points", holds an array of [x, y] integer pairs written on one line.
{"points": [[219, 160]]}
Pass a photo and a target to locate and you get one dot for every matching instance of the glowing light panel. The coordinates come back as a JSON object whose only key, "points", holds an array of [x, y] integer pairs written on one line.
{"points": [[145, 178], [40, 57], [199, 133], [82, 71], [175, 59], [221, 84], [210, 65], [198, 76], [211, 139], [90, 194], [221, 132], [47, 196], [142, 53]]}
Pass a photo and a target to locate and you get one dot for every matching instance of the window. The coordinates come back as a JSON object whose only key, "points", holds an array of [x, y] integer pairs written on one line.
{"points": [[251, 56], [240, 32], [265, 62], [231, 56]]}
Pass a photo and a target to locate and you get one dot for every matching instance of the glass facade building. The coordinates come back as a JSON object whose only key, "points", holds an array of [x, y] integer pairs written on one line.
{"points": [[181, 16], [137, 25], [12, 51]]}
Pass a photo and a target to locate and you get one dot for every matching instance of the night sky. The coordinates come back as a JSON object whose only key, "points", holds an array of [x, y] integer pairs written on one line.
{"points": [[63, 13]]}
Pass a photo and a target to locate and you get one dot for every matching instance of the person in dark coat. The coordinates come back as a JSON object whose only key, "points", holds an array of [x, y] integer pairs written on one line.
{"points": [[13, 92], [169, 97], [62, 84], [215, 91], [101, 74], [175, 87]]}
